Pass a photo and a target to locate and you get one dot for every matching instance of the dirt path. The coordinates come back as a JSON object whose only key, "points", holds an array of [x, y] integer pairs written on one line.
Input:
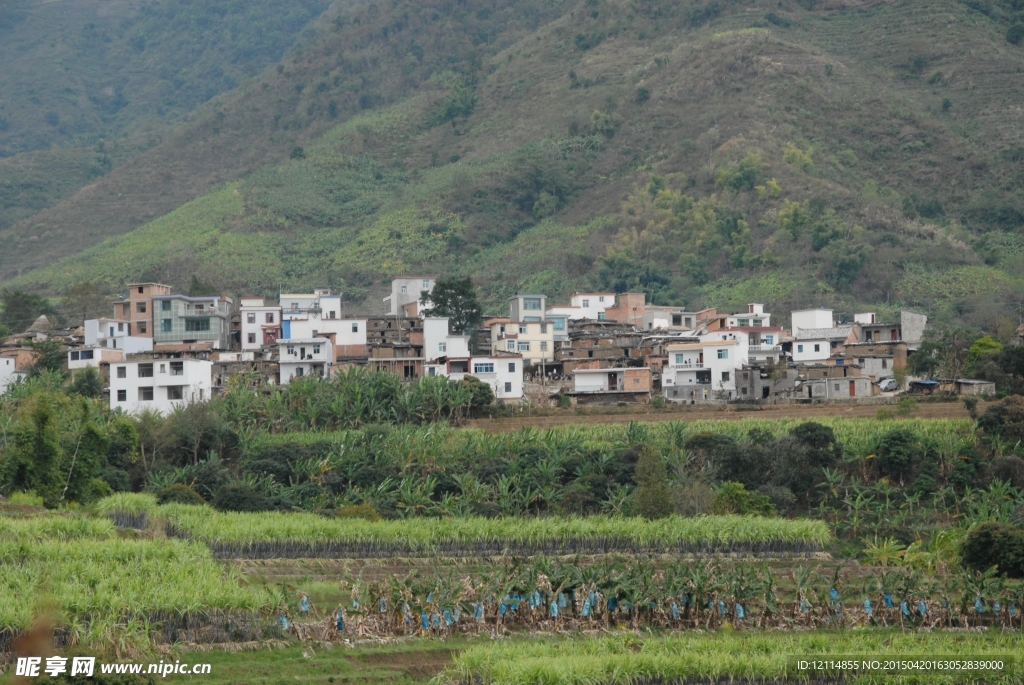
{"points": [[938, 410]]}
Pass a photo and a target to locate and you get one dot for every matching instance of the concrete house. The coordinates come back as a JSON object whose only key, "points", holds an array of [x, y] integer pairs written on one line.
{"points": [[534, 340], [812, 345], [439, 342], [600, 386], [305, 357], [406, 292], [115, 335], [503, 372], [909, 329], [135, 308], [703, 371], [754, 316], [586, 306], [182, 321], [803, 319], [159, 384], [261, 323], [8, 373]]}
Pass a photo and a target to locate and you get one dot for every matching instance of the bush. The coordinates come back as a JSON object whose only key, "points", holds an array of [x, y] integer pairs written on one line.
{"points": [[179, 494], [483, 393], [241, 498], [734, 498], [365, 512], [898, 452], [927, 481], [1009, 470], [25, 499], [652, 495], [1015, 34], [693, 498], [280, 470], [995, 544]]}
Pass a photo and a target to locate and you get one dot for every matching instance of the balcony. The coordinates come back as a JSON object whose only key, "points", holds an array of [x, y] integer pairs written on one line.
{"points": [[765, 348], [687, 365]]}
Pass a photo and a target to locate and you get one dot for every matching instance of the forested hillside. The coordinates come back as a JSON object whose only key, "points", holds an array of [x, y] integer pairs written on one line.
{"points": [[714, 152]]}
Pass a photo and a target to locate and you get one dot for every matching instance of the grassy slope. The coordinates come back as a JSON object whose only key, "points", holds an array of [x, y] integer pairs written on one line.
{"points": [[389, 191]]}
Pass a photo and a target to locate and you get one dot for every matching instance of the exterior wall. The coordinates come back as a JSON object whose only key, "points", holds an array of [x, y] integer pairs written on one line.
{"points": [[105, 333], [804, 350], [754, 316], [527, 338], [407, 290], [506, 379], [601, 380], [637, 380], [265, 327], [189, 377], [913, 325], [8, 374], [94, 356], [592, 305], [527, 307], [629, 308], [436, 337], [305, 357], [569, 313], [811, 318], [836, 389], [135, 310], [174, 313]]}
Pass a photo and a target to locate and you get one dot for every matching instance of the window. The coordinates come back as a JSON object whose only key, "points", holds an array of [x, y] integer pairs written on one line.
{"points": [[522, 330], [531, 303], [725, 376], [524, 347], [128, 329], [558, 324], [679, 357], [175, 392], [600, 298], [744, 391], [332, 315], [426, 284], [442, 347], [508, 387], [688, 322], [140, 290], [197, 324], [600, 316], [835, 386], [743, 322], [295, 306], [543, 328], [769, 340], [431, 371], [861, 361], [252, 338], [140, 307], [250, 317], [291, 350], [145, 394], [586, 303], [269, 318], [511, 367], [86, 354], [543, 346], [511, 345], [799, 348], [122, 395], [126, 310], [177, 368], [636, 381], [165, 306], [723, 354], [163, 368], [145, 370], [142, 327], [885, 364], [817, 347], [483, 367], [120, 328], [405, 289], [166, 326], [300, 371], [122, 372], [74, 356], [355, 328], [316, 349], [757, 322]]}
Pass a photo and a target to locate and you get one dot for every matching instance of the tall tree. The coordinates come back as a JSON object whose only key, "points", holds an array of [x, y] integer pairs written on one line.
{"points": [[454, 298], [21, 309]]}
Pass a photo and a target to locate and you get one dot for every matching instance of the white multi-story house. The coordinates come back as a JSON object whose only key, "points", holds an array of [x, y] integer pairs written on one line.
{"points": [[93, 356], [116, 335], [305, 357], [406, 293], [803, 319], [503, 372], [585, 306], [439, 342], [818, 344], [261, 323], [755, 316], [159, 384], [704, 370], [8, 373]]}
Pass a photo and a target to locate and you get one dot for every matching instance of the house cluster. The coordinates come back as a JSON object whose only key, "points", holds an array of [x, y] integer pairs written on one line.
{"points": [[160, 349]]}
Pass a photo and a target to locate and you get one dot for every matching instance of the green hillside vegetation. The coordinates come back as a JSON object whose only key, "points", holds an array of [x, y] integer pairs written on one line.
{"points": [[707, 152]]}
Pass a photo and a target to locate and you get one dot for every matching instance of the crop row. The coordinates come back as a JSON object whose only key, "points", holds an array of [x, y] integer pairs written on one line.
{"points": [[298, 532], [731, 658], [52, 527], [101, 587]]}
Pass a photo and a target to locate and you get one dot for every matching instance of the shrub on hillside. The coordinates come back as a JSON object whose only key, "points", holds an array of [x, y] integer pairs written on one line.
{"points": [[241, 498], [734, 498], [995, 544], [897, 454], [365, 512], [1009, 470], [179, 494], [652, 495]]}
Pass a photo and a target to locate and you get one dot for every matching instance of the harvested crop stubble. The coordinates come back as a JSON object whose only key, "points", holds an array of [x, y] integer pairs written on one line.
{"points": [[732, 658], [275, 534]]}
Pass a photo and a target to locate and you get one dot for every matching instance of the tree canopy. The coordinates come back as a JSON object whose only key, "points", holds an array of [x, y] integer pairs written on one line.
{"points": [[456, 299]]}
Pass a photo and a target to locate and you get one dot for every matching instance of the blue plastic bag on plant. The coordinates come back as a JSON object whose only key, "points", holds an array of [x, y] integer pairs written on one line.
{"points": [[562, 603], [283, 621], [304, 604], [553, 609], [740, 613], [978, 606], [447, 617], [424, 620], [887, 600], [339, 620], [904, 609], [921, 608], [867, 606], [675, 611]]}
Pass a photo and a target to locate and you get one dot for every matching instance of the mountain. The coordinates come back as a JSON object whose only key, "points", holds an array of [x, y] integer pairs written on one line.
{"points": [[851, 154]]}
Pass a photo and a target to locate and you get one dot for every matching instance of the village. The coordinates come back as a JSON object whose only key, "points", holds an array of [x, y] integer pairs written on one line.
{"points": [[160, 349]]}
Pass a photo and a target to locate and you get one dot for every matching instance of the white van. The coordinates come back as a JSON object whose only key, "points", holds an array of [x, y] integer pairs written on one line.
{"points": [[888, 385]]}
